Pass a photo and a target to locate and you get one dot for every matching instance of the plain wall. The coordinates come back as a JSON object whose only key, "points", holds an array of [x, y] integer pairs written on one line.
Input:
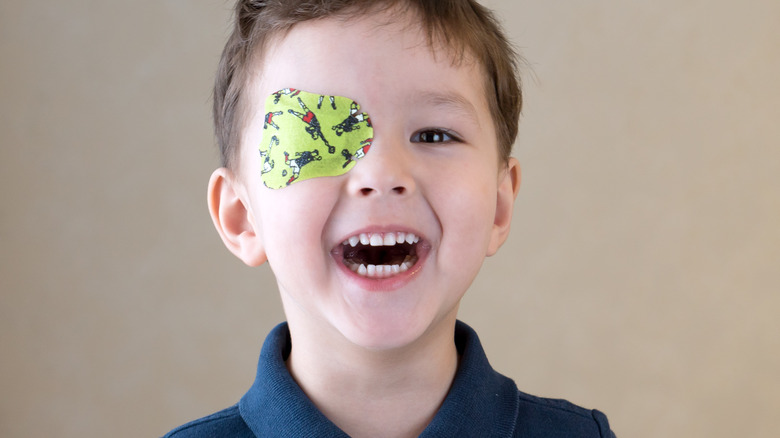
{"points": [[641, 277]]}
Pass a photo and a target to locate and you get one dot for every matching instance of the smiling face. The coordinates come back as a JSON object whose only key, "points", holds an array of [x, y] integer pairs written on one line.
{"points": [[382, 254]]}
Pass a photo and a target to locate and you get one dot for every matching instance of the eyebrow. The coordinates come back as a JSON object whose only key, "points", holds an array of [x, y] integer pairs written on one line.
{"points": [[451, 100]]}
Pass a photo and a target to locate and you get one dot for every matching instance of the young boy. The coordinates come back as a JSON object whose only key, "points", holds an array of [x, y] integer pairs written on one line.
{"points": [[365, 147]]}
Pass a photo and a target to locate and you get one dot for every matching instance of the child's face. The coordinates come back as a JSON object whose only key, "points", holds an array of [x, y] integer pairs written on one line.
{"points": [[451, 194]]}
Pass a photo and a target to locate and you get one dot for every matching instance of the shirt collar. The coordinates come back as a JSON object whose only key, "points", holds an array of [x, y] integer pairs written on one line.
{"points": [[480, 402]]}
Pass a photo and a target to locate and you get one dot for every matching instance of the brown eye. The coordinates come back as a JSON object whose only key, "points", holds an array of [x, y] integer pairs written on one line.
{"points": [[432, 136]]}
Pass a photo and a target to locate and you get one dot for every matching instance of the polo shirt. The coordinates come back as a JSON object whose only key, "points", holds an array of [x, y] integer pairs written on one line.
{"points": [[481, 403]]}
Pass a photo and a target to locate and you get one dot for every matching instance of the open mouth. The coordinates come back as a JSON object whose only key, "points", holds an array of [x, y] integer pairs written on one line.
{"points": [[380, 255]]}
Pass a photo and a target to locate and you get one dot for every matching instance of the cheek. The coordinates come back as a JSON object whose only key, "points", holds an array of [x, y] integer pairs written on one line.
{"points": [[468, 187], [293, 221], [466, 209]]}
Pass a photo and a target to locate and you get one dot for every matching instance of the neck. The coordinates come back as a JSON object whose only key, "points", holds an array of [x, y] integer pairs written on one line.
{"points": [[376, 393]]}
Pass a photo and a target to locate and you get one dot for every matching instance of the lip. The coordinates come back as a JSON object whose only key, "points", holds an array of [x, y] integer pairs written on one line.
{"points": [[386, 284]]}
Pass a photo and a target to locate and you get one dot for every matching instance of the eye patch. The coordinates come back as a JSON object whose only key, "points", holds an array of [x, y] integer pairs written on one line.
{"points": [[307, 135]]}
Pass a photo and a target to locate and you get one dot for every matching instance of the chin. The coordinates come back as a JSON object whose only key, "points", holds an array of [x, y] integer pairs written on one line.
{"points": [[385, 333]]}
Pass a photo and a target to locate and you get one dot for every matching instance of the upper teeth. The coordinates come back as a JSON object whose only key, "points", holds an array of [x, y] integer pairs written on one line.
{"points": [[381, 239]]}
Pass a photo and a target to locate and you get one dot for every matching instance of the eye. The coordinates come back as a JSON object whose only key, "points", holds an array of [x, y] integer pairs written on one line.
{"points": [[433, 136]]}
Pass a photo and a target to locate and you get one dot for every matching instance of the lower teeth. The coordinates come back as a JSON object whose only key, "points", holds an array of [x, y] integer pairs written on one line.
{"points": [[382, 271]]}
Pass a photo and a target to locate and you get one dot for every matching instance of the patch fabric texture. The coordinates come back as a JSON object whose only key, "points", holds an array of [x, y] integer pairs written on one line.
{"points": [[309, 135]]}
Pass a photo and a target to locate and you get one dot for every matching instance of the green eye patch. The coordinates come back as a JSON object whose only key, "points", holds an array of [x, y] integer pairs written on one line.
{"points": [[307, 135]]}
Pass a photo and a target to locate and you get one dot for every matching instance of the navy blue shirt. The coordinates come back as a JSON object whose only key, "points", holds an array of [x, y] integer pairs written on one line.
{"points": [[481, 403]]}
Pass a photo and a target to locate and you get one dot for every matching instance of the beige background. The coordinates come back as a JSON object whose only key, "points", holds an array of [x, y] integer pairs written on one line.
{"points": [[641, 277]]}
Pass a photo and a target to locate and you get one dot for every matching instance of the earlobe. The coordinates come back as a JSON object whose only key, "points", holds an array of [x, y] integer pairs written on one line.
{"points": [[233, 219], [508, 186]]}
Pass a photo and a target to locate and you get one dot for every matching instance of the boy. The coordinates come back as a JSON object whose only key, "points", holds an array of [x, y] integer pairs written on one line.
{"points": [[382, 181]]}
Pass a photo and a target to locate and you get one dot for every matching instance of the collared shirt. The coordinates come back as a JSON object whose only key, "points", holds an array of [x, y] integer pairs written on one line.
{"points": [[480, 403]]}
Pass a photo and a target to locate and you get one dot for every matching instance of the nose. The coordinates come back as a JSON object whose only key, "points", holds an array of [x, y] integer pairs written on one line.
{"points": [[386, 170]]}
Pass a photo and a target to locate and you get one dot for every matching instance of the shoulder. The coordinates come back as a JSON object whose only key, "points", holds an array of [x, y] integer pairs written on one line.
{"points": [[546, 417], [223, 424]]}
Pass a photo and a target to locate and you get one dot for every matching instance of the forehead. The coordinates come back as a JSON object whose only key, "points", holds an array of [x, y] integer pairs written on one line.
{"points": [[383, 60]]}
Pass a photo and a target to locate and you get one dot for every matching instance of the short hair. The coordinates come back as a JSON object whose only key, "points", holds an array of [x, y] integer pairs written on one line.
{"points": [[464, 27]]}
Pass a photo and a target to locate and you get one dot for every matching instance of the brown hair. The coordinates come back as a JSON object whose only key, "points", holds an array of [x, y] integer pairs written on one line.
{"points": [[463, 26]]}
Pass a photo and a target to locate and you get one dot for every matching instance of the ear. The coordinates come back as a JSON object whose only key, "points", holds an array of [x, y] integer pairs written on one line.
{"points": [[233, 219], [508, 186]]}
